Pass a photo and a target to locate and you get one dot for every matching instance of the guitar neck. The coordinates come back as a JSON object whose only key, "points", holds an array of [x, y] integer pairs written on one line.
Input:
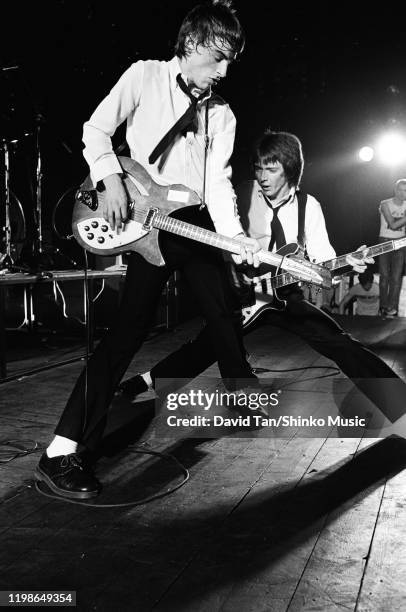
{"points": [[373, 251], [193, 232], [281, 280]]}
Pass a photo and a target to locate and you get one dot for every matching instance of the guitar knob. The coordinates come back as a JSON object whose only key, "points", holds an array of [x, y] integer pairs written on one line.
{"points": [[100, 239], [90, 236], [104, 228], [94, 224], [87, 228]]}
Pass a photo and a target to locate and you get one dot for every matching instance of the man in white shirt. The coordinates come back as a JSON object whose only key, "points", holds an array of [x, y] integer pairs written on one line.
{"points": [[155, 98], [273, 196], [366, 294], [393, 222]]}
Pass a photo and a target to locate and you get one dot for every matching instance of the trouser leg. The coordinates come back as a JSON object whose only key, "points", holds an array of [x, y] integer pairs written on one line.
{"points": [[370, 373], [190, 360], [204, 269], [85, 414], [384, 272], [218, 306], [395, 278]]}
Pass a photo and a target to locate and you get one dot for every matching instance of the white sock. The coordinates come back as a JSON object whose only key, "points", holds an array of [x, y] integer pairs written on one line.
{"points": [[147, 379], [61, 446]]}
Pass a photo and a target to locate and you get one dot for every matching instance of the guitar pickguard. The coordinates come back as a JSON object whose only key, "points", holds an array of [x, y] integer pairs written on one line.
{"points": [[96, 233]]}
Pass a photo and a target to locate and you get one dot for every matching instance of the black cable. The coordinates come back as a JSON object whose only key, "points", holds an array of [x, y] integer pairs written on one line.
{"points": [[21, 450], [294, 380], [13, 449], [57, 232], [336, 370], [87, 319], [139, 502]]}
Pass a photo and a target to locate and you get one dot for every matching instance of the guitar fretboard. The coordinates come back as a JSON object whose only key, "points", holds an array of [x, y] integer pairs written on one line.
{"points": [[194, 232], [302, 269], [284, 279], [373, 251]]}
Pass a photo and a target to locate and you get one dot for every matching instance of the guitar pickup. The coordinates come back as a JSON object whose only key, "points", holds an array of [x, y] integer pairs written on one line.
{"points": [[89, 198], [149, 219]]}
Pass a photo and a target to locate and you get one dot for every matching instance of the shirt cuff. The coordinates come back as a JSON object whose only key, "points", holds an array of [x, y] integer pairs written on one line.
{"points": [[104, 167], [229, 228]]}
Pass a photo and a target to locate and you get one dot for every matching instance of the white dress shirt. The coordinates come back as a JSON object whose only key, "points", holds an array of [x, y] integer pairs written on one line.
{"points": [[256, 216], [149, 98]]}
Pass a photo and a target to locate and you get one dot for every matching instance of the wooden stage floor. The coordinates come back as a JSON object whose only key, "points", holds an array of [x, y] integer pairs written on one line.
{"points": [[263, 524]]}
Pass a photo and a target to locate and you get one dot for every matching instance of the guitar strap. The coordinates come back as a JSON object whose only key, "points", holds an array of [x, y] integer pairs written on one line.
{"points": [[292, 292], [123, 145], [301, 212], [206, 150]]}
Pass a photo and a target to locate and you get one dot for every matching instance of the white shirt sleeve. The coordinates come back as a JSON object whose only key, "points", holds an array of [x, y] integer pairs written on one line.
{"points": [[222, 200], [317, 241], [122, 100]]}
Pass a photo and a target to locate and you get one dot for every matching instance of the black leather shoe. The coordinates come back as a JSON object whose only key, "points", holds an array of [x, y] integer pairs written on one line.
{"points": [[133, 386], [68, 476]]}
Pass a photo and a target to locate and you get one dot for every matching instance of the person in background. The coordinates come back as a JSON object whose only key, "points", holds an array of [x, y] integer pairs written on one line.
{"points": [[393, 221], [366, 294], [270, 209]]}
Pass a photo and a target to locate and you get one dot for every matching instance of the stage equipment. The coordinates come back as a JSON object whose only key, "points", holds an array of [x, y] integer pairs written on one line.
{"points": [[12, 218], [366, 154], [391, 149], [69, 250]]}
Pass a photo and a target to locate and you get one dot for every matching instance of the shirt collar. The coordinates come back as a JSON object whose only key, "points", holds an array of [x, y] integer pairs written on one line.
{"points": [[174, 70], [287, 200]]}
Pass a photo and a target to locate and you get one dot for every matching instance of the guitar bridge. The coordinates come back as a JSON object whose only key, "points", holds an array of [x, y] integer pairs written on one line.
{"points": [[149, 219]]}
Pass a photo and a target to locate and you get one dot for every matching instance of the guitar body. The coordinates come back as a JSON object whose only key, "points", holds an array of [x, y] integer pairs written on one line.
{"points": [[265, 285], [95, 234], [149, 211], [263, 296]]}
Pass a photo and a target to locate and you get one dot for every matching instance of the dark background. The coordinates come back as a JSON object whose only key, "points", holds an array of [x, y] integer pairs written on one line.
{"points": [[332, 73]]}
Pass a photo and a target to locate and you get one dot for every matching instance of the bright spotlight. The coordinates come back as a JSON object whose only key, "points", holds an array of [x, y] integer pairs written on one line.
{"points": [[392, 149], [366, 154]]}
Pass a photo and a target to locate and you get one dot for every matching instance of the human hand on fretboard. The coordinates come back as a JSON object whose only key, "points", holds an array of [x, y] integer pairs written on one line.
{"points": [[359, 262], [248, 249]]}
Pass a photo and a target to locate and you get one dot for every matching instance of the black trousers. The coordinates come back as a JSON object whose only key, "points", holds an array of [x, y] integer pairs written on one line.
{"points": [[369, 373], [84, 417]]}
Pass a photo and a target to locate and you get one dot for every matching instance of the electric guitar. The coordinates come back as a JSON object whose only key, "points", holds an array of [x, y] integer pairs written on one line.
{"points": [[264, 287], [149, 211]]}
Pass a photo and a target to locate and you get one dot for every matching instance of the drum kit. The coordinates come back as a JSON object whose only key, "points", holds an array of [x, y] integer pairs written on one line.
{"points": [[22, 245]]}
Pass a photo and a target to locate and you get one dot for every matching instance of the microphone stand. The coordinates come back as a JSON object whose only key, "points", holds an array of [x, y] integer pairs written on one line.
{"points": [[37, 244], [38, 248], [6, 260], [42, 254]]}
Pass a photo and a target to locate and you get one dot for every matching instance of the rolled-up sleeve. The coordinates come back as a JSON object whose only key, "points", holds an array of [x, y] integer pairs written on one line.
{"points": [[122, 100], [222, 200]]}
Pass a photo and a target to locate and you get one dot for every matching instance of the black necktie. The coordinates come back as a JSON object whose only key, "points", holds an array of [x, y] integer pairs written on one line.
{"points": [[189, 118], [278, 235]]}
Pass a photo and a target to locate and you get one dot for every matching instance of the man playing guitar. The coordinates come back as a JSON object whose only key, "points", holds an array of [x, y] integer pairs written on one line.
{"points": [[273, 211], [181, 133]]}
